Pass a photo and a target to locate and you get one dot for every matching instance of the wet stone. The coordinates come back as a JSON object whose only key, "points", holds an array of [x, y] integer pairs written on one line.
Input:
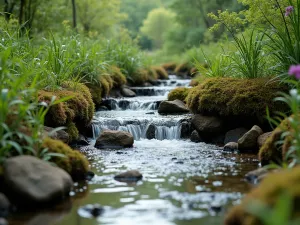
{"points": [[89, 175], [129, 176], [93, 210]]}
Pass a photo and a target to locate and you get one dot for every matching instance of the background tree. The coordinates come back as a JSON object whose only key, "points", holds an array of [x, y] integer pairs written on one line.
{"points": [[156, 24]]}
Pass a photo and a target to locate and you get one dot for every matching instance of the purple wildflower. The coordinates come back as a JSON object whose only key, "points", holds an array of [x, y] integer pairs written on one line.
{"points": [[295, 71], [288, 10]]}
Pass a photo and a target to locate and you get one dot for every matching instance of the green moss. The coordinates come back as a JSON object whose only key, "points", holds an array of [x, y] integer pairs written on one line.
{"points": [[236, 97], [74, 163], [183, 69], [118, 77], [271, 152], [171, 66], [72, 131], [178, 93], [139, 77], [96, 92], [106, 84], [161, 72], [268, 192], [152, 74], [78, 110]]}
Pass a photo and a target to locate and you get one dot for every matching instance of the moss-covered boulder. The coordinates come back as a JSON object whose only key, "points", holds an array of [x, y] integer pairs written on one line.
{"points": [[272, 151], [74, 113], [170, 67], [268, 192], [161, 72], [183, 69], [74, 162], [179, 93], [233, 97], [117, 76]]}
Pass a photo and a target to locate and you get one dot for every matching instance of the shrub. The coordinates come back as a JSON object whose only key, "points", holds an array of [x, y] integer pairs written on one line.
{"points": [[235, 97], [74, 162], [178, 93]]}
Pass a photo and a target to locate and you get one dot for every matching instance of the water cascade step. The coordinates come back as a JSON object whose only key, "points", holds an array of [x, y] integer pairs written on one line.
{"points": [[138, 115]]}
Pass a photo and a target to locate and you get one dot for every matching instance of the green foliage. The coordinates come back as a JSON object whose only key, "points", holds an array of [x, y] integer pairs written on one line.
{"points": [[157, 23]]}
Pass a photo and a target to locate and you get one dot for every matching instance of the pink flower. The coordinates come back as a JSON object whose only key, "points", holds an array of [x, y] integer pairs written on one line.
{"points": [[295, 71], [288, 10]]}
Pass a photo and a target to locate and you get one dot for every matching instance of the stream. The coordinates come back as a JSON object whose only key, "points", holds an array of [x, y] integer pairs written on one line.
{"points": [[184, 183]]}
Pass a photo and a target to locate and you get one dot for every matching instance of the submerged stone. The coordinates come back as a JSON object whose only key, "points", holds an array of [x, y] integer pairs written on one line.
{"points": [[129, 176]]}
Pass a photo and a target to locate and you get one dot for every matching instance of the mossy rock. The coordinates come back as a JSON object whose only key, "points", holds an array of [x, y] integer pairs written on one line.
{"points": [[152, 74], [78, 110], [268, 192], [183, 69], [179, 93], [272, 151], [117, 76], [74, 162], [106, 84], [170, 66], [227, 97], [161, 72], [139, 77]]}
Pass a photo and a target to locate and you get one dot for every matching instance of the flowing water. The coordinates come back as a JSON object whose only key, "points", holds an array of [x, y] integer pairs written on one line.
{"points": [[183, 183]]}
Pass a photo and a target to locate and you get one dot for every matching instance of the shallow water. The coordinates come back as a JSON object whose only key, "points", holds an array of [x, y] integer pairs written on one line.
{"points": [[183, 183]]}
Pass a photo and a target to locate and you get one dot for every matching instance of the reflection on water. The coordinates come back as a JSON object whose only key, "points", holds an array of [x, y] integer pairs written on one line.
{"points": [[184, 183]]}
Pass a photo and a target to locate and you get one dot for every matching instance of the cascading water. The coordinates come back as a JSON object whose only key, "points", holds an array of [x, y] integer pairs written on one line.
{"points": [[183, 182], [139, 116]]}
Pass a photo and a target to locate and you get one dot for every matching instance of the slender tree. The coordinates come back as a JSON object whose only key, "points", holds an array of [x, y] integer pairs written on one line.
{"points": [[74, 14]]}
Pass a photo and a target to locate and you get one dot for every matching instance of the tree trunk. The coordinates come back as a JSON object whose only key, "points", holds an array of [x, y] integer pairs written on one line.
{"points": [[21, 12], [8, 9], [74, 14]]}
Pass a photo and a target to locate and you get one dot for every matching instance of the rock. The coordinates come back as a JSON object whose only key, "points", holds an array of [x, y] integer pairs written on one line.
{"points": [[172, 107], [185, 131], [231, 146], [126, 92], [262, 139], [234, 135], [33, 182], [114, 139], [94, 210], [81, 141], [150, 133], [129, 176], [255, 176], [3, 221], [248, 142], [89, 175], [195, 137], [4, 206], [57, 135], [207, 125], [102, 108]]}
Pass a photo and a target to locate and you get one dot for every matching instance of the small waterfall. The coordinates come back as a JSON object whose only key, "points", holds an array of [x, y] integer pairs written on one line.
{"points": [[169, 133], [131, 104], [140, 129]]}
